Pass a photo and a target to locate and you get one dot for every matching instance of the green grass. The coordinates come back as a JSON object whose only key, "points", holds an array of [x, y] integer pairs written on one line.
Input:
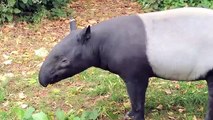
{"points": [[97, 92], [3, 115], [2, 95], [183, 101], [191, 97]]}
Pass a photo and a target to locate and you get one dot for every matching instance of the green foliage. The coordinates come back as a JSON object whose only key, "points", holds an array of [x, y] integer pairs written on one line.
{"points": [[31, 114], [86, 115], [40, 116], [157, 5], [60, 115], [32, 10], [89, 115], [19, 113], [28, 113]]}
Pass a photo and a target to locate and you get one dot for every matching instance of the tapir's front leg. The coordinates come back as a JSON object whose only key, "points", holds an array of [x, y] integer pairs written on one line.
{"points": [[136, 89], [209, 115]]}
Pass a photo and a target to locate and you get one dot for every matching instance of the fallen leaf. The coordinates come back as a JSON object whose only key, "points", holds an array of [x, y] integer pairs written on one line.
{"points": [[170, 113], [172, 118], [14, 52], [168, 91], [41, 52], [3, 78], [7, 62], [159, 107], [6, 56], [5, 104], [22, 95], [200, 86], [92, 21], [80, 111], [24, 106], [181, 110], [10, 25], [201, 109], [126, 104], [177, 86], [9, 75], [194, 118]]}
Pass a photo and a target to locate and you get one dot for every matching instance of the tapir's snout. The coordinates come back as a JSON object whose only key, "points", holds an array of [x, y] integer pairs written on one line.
{"points": [[42, 81], [43, 78]]}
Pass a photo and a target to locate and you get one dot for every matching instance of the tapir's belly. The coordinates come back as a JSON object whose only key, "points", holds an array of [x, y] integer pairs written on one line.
{"points": [[180, 43]]}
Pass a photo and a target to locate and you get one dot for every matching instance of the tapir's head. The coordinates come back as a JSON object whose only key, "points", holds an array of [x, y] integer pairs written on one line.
{"points": [[70, 56]]}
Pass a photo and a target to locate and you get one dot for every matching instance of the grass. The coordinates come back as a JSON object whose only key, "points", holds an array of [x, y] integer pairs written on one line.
{"points": [[2, 94], [179, 100], [99, 90]]}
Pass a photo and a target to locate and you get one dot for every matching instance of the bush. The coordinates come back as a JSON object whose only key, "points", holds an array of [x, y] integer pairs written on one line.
{"points": [[31, 114], [157, 5], [32, 10]]}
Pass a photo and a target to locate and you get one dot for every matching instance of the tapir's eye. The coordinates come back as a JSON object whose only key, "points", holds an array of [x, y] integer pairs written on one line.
{"points": [[65, 62]]}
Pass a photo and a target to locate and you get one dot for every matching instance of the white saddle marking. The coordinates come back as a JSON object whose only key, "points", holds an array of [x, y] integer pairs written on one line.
{"points": [[180, 42]]}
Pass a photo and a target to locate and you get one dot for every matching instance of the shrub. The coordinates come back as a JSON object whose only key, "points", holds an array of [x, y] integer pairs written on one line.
{"points": [[31, 114], [157, 5], [32, 10]]}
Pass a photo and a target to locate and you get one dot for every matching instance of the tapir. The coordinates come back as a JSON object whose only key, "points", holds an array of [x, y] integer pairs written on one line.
{"points": [[174, 44]]}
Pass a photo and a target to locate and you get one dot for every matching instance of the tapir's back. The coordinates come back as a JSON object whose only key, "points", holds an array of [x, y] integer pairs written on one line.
{"points": [[180, 42]]}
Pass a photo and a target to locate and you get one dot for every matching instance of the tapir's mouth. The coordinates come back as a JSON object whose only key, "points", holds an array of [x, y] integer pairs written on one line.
{"points": [[54, 79], [43, 84]]}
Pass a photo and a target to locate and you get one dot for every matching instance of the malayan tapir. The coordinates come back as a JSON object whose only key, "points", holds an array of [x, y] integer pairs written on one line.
{"points": [[173, 44]]}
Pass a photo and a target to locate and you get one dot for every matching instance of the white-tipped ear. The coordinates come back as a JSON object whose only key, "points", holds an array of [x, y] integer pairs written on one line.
{"points": [[72, 24]]}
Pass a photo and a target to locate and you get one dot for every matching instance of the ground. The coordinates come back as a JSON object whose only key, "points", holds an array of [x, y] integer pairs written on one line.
{"points": [[24, 46]]}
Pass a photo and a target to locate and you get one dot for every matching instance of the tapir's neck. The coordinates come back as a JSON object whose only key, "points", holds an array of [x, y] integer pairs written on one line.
{"points": [[97, 43], [110, 38]]}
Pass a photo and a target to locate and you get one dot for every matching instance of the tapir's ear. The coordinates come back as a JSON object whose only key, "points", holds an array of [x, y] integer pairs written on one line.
{"points": [[72, 24], [85, 34], [88, 33]]}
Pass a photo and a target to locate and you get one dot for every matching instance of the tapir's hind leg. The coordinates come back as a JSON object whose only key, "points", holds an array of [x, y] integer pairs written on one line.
{"points": [[209, 115], [136, 89]]}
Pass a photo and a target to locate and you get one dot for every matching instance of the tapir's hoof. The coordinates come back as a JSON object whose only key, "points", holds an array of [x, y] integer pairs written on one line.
{"points": [[129, 116]]}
